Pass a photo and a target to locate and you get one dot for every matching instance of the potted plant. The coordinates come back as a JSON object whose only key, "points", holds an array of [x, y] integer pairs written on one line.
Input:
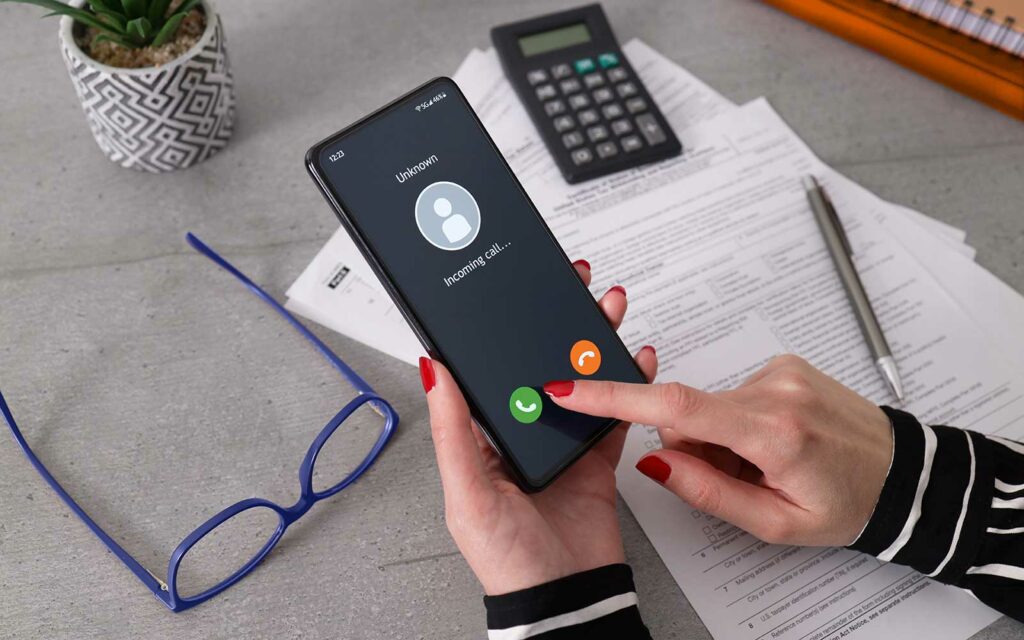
{"points": [[152, 76]]}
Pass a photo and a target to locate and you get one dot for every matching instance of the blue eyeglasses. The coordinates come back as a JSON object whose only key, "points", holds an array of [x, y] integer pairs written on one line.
{"points": [[168, 592]]}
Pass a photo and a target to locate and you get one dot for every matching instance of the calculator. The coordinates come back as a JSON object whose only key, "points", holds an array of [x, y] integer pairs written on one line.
{"points": [[593, 112]]}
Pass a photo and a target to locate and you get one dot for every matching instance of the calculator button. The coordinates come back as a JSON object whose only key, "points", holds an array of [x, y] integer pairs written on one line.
{"points": [[564, 123], [561, 71], [586, 65], [597, 134], [572, 85], [651, 129], [631, 143], [617, 74], [572, 139], [636, 105], [588, 117], [546, 92], [621, 127], [593, 80], [582, 156], [579, 101], [604, 94], [537, 76], [554, 107], [627, 89], [608, 60], [607, 149], [612, 111]]}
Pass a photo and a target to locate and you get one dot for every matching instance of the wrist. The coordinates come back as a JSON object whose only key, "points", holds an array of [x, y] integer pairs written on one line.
{"points": [[526, 573], [606, 593]]}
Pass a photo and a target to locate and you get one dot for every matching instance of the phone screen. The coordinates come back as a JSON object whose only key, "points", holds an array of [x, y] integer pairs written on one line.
{"points": [[476, 269]]}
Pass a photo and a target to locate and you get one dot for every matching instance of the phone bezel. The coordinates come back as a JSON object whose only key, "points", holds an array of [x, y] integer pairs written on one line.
{"points": [[312, 161]]}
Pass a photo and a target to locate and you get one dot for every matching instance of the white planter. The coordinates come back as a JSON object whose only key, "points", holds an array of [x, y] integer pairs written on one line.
{"points": [[157, 119]]}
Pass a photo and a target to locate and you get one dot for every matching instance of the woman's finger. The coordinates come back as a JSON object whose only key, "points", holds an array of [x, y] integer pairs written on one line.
{"points": [[583, 268], [611, 446], [756, 509], [647, 360], [689, 412], [458, 455], [613, 303]]}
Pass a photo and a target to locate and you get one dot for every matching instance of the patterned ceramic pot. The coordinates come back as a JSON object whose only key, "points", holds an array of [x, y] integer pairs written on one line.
{"points": [[157, 119]]}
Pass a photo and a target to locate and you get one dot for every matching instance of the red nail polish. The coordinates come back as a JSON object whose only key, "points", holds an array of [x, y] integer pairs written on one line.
{"points": [[427, 374], [651, 348], [621, 289], [559, 388], [582, 263], [654, 468]]}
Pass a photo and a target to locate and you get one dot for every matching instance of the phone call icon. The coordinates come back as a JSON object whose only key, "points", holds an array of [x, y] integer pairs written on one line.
{"points": [[525, 405], [585, 357]]}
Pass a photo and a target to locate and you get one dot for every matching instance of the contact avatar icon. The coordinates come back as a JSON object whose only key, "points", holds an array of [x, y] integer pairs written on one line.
{"points": [[447, 215]]}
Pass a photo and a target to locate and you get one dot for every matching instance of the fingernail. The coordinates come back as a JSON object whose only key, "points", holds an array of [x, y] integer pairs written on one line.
{"points": [[621, 289], [427, 374], [654, 468], [650, 348], [559, 388], [582, 263]]}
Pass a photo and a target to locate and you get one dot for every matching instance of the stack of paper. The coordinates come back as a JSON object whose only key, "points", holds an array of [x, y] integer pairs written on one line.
{"points": [[725, 268]]}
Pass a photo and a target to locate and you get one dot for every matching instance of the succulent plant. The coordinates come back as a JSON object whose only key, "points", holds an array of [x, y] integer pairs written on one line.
{"points": [[129, 23]]}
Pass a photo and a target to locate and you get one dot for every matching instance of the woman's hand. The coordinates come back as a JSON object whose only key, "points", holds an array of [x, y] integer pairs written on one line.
{"points": [[792, 456], [514, 540]]}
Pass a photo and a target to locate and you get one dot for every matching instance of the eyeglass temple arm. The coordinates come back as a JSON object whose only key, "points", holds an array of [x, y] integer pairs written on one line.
{"points": [[354, 378], [156, 585]]}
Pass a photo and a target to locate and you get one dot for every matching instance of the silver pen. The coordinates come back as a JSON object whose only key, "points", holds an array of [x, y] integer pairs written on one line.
{"points": [[839, 248]]}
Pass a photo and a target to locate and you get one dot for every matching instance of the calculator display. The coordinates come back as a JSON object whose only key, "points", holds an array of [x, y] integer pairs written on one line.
{"points": [[469, 260], [554, 39]]}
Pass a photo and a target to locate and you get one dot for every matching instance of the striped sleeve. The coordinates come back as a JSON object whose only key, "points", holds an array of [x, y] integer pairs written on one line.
{"points": [[600, 603], [952, 507]]}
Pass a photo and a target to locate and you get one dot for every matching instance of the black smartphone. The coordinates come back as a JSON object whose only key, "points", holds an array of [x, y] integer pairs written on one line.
{"points": [[464, 253]]}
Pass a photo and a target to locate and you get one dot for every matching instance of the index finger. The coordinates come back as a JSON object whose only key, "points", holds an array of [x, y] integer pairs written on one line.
{"points": [[689, 412]]}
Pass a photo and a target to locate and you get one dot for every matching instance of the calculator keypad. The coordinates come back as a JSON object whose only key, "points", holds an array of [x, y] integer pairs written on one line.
{"points": [[588, 117], [537, 76], [572, 139], [572, 85], [611, 114], [546, 92], [564, 123], [561, 71], [579, 101], [554, 107]]}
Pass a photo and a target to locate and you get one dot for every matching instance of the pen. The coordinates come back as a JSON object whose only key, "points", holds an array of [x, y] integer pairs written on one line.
{"points": [[839, 248]]}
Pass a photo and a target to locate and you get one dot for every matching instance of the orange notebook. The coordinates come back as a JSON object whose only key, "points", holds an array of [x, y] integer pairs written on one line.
{"points": [[971, 47]]}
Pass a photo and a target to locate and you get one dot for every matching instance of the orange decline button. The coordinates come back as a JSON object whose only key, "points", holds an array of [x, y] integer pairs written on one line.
{"points": [[585, 357]]}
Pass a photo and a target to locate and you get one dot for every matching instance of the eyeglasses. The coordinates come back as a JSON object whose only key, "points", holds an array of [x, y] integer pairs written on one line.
{"points": [[232, 528]]}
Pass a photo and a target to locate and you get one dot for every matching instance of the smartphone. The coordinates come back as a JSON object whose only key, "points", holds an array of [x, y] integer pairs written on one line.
{"points": [[460, 247]]}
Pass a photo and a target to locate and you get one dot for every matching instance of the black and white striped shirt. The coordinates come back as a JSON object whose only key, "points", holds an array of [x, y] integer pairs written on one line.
{"points": [[952, 507]]}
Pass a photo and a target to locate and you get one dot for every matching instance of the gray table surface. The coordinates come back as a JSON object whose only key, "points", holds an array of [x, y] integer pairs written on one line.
{"points": [[160, 392]]}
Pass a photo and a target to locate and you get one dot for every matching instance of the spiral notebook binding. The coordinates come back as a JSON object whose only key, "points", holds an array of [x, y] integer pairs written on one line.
{"points": [[964, 19]]}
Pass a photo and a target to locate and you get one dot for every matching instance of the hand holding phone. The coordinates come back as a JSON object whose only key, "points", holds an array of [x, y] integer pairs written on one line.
{"points": [[513, 540], [476, 272]]}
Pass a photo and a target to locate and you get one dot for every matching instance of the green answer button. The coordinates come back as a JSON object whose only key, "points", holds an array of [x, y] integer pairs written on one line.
{"points": [[608, 60], [525, 405]]}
